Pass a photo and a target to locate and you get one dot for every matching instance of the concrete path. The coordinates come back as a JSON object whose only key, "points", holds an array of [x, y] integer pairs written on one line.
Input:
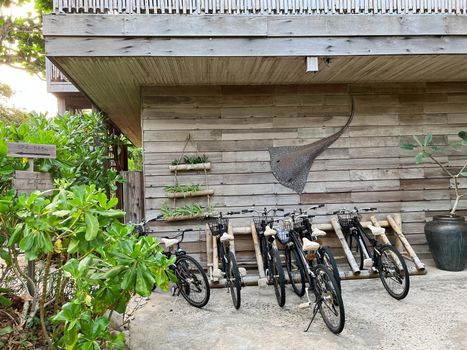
{"points": [[433, 316]]}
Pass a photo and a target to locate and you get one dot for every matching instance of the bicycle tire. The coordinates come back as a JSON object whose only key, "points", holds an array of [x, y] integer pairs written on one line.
{"points": [[234, 280], [327, 259], [276, 273], [295, 270], [389, 271], [192, 280], [330, 299]]}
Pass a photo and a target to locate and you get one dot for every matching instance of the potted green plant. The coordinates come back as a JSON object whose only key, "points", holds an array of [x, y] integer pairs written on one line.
{"points": [[446, 234]]}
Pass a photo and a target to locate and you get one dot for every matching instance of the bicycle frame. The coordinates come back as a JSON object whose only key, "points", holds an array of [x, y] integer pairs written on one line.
{"points": [[357, 231]]}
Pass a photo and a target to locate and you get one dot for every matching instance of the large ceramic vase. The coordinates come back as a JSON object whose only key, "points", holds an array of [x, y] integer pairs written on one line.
{"points": [[447, 239]]}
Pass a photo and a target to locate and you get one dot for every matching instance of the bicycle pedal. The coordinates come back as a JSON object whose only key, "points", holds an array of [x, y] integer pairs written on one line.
{"points": [[368, 263], [304, 305], [242, 271]]}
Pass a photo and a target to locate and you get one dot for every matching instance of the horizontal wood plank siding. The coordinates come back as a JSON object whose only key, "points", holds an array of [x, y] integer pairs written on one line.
{"points": [[235, 126]]}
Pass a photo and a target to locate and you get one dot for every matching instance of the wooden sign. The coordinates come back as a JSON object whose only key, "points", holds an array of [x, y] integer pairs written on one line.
{"points": [[31, 150], [30, 181]]}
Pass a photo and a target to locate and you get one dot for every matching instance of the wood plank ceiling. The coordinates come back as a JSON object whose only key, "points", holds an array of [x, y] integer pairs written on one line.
{"points": [[114, 83]]}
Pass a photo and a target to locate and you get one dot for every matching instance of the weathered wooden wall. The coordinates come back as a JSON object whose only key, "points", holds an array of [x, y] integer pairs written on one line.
{"points": [[133, 196], [235, 126]]}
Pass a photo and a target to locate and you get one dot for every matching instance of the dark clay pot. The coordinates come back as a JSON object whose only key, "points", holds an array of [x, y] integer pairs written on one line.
{"points": [[447, 239]]}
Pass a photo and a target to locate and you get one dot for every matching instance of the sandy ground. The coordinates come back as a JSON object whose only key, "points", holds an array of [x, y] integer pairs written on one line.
{"points": [[433, 316]]}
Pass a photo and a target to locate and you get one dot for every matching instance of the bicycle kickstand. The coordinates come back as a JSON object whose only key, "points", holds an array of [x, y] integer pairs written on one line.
{"points": [[175, 291], [315, 311]]}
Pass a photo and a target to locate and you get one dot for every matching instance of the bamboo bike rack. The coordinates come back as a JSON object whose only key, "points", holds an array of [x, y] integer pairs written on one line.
{"points": [[392, 222]]}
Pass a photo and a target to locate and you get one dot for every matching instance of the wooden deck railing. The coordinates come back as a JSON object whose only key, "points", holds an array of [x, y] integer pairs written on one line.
{"points": [[262, 7]]}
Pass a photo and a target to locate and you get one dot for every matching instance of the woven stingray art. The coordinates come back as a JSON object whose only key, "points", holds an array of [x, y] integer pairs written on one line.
{"points": [[291, 164]]}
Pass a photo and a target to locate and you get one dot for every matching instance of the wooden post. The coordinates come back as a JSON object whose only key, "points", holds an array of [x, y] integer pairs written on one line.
{"points": [[375, 222], [209, 251], [406, 243], [345, 246], [232, 242], [259, 259], [215, 258], [398, 243]]}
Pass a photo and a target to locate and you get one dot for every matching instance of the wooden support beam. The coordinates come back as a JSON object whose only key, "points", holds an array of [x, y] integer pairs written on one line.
{"points": [[398, 244], [345, 246], [209, 251], [383, 237], [407, 246], [232, 242], [242, 230], [215, 258], [259, 259], [251, 26], [329, 227], [348, 275], [252, 47]]}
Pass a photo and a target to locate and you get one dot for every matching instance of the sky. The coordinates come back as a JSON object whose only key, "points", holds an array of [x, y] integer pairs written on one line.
{"points": [[30, 91]]}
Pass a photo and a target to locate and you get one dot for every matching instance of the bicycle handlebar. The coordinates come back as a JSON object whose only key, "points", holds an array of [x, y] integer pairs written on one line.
{"points": [[354, 210]]}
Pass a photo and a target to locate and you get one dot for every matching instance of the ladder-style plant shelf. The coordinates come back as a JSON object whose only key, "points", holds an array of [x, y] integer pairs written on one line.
{"points": [[190, 167], [190, 194]]}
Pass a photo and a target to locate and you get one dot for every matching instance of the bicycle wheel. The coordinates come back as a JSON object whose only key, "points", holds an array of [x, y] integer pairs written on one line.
{"points": [[192, 281], [330, 301], [393, 272], [327, 259], [234, 280], [276, 275], [295, 270]]}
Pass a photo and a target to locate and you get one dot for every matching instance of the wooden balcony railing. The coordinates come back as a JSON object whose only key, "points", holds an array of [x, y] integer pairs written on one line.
{"points": [[262, 7], [57, 82]]}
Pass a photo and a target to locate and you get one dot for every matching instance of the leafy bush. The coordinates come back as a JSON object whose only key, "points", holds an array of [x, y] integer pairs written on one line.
{"points": [[77, 232], [83, 145]]}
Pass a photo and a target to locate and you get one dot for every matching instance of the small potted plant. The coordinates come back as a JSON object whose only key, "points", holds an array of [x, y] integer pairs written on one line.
{"points": [[446, 234]]}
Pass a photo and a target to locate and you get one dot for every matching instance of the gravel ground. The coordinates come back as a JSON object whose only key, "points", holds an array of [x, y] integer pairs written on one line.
{"points": [[433, 316]]}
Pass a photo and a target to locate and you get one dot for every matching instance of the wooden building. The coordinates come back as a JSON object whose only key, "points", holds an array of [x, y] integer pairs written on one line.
{"points": [[233, 74]]}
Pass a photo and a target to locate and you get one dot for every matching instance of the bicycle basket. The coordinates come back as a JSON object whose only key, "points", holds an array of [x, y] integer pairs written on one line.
{"points": [[219, 226], [260, 221], [345, 220], [282, 234]]}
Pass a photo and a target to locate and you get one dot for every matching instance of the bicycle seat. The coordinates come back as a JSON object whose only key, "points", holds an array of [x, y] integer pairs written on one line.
{"points": [[376, 231], [227, 237], [269, 232], [317, 232], [169, 242], [309, 245]]}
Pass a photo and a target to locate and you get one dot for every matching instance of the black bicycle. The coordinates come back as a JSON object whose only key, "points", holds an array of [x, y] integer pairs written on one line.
{"points": [[229, 267], [321, 283], [302, 224], [192, 282], [381, 258], [270, 254]]}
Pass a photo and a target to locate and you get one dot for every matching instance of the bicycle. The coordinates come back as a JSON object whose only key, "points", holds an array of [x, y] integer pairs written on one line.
{"points": [[321, 283], [269, 252], [302, 224], [191, 280], [229, 270], [381, 258]]}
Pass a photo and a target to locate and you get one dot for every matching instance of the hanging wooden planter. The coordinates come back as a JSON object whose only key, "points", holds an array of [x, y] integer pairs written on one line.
{"points": [[190, 194], [190, 167], [184, 217]]}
